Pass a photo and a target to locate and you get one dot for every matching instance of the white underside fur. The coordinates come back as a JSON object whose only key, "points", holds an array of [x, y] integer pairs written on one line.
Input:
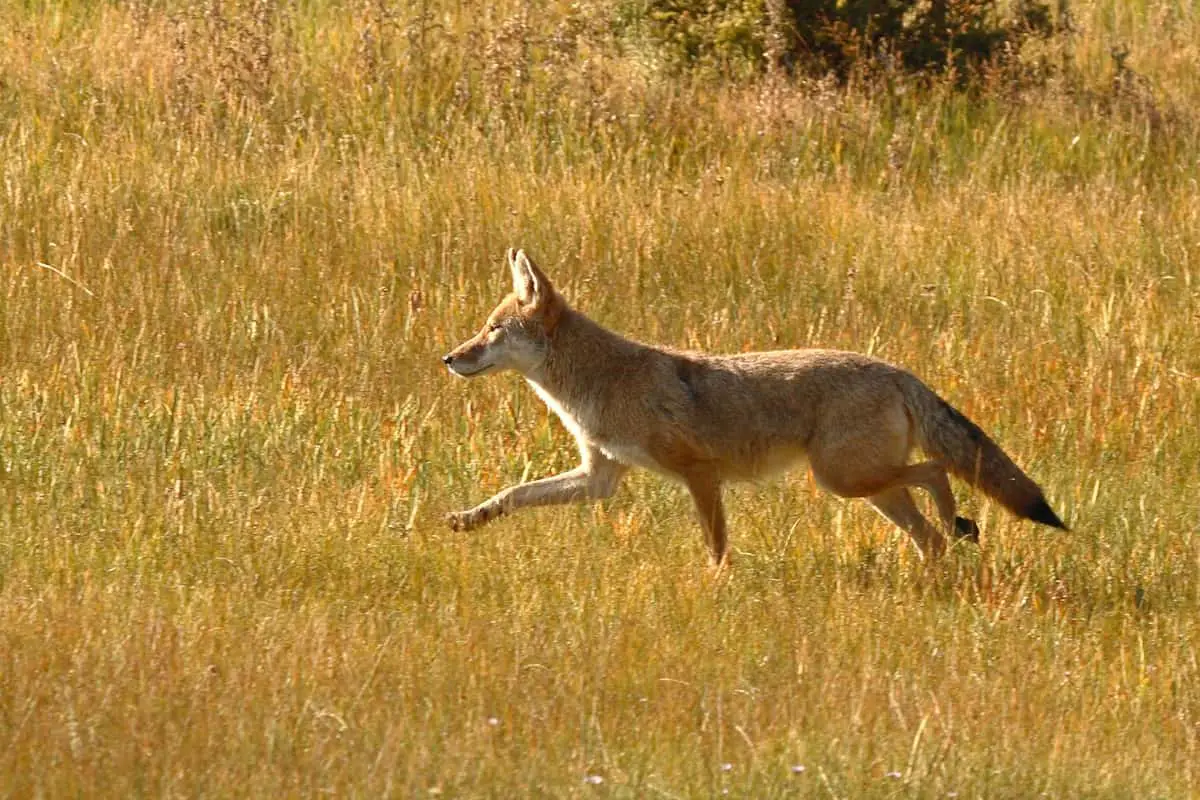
{"points": [[620, 452]]}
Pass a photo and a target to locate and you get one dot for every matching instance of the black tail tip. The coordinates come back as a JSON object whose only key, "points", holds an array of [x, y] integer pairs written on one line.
{"points": [[1040, 511]]}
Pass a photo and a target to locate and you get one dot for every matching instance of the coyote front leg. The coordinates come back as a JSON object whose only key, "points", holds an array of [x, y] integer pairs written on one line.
{"points": [[596, 478], [706, 491]]}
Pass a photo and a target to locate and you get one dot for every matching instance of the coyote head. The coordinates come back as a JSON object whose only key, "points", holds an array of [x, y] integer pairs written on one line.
{"points": [[517, 334]]}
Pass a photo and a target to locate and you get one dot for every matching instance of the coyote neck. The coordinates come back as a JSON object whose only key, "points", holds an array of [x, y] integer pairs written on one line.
{"points": [[577, 375]]}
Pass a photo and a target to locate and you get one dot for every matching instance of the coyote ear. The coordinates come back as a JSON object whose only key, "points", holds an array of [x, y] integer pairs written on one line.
{"points": [[531, 286]]}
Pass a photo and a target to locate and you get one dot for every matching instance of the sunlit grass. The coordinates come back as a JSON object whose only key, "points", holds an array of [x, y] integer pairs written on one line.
{"points": [[226, 441]]}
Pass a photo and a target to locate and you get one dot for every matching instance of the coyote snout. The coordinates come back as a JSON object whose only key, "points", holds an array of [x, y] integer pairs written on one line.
{"points": [[708, 419], [468, 360]]}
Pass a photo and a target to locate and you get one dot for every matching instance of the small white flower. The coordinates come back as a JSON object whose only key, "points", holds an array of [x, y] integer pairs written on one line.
{"points": [[726, 767], [797, 769], [493, 721], [594, 780]]}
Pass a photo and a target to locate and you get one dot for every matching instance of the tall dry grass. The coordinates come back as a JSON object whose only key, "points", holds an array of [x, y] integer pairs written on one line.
{"points": [[234, 238]]}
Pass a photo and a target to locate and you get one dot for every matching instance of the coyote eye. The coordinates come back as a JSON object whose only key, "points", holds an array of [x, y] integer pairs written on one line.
{"points": [[494, 326]]}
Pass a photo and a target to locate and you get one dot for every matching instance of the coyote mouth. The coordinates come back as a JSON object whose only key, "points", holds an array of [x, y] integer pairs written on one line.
{"points": [[462, 372]]}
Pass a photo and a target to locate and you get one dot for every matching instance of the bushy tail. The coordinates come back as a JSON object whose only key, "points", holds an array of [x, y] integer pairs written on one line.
{"points": [[971, 455]]}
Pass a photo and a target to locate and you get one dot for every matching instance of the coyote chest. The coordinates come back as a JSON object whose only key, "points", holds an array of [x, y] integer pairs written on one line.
{"points": [[583, 424]]}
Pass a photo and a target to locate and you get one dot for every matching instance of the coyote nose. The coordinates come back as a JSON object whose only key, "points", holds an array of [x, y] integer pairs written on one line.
{"points": [[447, 359]]}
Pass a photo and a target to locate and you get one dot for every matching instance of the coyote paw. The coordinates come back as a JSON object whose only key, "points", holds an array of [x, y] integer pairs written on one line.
{"points": [[966, 529], [718, 566], [466, 520], [460, 520]]}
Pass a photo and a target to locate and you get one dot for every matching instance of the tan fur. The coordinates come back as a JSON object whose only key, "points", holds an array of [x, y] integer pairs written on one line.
{"points": [[708, 419]]}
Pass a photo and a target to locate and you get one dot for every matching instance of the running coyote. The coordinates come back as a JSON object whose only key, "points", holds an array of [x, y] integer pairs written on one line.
{"points": [[707, 419]]}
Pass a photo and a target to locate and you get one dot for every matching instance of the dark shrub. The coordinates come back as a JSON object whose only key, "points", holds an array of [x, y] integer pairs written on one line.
{"points": [[838, 36]]}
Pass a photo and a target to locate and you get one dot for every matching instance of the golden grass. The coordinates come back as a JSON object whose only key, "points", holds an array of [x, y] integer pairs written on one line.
{"points": [[227, 272]]}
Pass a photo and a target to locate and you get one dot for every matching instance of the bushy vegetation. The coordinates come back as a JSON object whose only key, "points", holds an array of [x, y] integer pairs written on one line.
{"points": [[846, 38], [234, 239]]}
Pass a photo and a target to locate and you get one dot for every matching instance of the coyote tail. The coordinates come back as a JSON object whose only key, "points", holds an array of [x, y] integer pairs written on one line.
{"points": [[970, 454]]}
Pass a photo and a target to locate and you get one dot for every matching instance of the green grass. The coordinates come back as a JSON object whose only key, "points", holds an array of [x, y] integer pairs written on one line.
{"points": [[227, 443]]}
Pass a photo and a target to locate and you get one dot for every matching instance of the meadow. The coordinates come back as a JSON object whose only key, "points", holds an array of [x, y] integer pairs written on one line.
{"points": [[234, 241]]}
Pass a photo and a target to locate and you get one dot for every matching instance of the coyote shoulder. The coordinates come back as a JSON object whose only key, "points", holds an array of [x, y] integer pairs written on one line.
{"points": [[708, 419]]}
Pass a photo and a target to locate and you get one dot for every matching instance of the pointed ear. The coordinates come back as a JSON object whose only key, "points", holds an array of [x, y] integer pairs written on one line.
{"points": [[530, 284], [520, 285]]}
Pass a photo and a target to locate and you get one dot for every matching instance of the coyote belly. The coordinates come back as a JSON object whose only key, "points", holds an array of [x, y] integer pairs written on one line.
{"points": [[707, 419]]}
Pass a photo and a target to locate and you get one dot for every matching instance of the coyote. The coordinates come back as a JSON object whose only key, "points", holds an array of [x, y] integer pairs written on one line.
{"points": [[707, 419]]}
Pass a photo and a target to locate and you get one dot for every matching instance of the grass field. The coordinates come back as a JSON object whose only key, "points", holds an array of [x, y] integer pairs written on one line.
{"points": [[234, 241]]}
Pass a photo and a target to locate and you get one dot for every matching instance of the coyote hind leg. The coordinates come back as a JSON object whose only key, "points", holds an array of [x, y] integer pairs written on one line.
{"points": [[886, 488], [897, 505], [931, 476]]}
